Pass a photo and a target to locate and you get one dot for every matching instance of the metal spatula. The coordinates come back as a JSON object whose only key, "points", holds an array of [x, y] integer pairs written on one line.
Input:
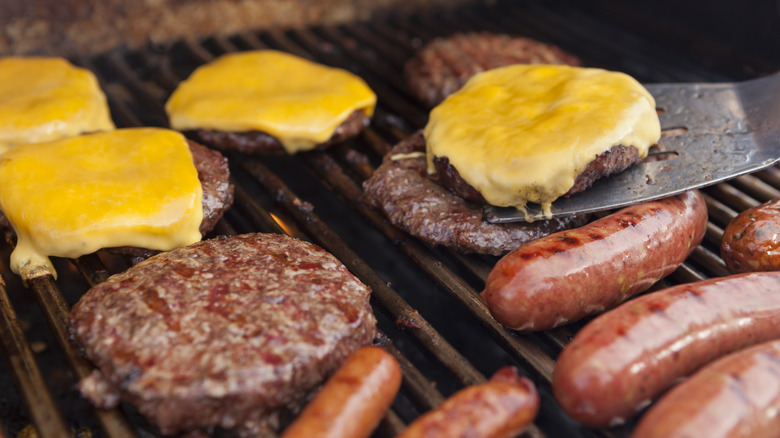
{"points": [[726, 130]]}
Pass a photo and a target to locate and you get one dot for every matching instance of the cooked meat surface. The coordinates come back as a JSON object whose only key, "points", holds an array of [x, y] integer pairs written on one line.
{"points": [[224, 332], [613, 160], [257, 142], [415, 202], [445, 64], [214, 177]]}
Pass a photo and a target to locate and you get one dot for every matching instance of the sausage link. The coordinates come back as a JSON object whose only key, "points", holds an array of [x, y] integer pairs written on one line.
{"points": [[568, 275], [501, 407], [626, 357], [353, 401], [751, 241], [736, 396]]}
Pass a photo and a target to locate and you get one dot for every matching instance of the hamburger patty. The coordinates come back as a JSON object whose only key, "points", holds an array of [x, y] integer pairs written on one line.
{"points": [[258, 142], [445, 64], [415, 202], [214, 177], [613, 160], [225, 332]]}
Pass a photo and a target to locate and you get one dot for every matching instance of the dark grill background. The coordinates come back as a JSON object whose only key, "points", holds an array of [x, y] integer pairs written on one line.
{"points": [[425, 298]]}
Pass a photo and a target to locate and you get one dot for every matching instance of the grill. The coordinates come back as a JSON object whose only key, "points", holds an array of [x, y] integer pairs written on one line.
{"points": [[426, 299]]}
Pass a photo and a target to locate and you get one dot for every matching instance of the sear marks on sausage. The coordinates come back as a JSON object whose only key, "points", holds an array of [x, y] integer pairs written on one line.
{"points": [[445, 64], [415, 202], [619, 362], [261, 143], [500, 408], [354, 399], [614, 160], [225, 332], [563, 277], [751, 241], [737, 396]]}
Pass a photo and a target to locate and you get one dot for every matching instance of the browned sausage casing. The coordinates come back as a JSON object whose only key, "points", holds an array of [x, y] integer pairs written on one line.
{"points": [[751, 241], [736, 396], [568, 275], [353, 400], [626, 357], [501, 407]]}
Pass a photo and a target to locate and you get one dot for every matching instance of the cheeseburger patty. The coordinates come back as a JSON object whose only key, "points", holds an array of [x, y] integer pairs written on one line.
{"points": [[258, 142], [613, 160], [445, 64], [214, 177], [224, 332], [415, 202]]}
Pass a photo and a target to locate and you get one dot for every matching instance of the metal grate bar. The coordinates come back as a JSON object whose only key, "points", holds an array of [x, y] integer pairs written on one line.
{"points": [[756, 188], [27, 376], [731, 196], [92, 269], [719, 213], [56, 311]]}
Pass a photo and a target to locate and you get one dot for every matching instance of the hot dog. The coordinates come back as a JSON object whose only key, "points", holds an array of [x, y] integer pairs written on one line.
{"points": [[750, 241], [626, 357], [736, 396], [568, 275], [501, 407], [353, 400]]}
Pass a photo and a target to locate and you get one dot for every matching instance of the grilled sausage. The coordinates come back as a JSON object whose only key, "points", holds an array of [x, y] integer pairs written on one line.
{"points": [[750, 241], [736, 396], [626, 357], [568, 275], [502, 407], [353, 400]]}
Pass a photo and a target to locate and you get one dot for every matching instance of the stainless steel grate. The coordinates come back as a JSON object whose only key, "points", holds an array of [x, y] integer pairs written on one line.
{"points": [[425, 298]]}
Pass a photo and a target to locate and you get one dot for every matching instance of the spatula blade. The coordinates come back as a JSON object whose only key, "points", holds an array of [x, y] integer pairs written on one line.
{"points": [[728, 130]]}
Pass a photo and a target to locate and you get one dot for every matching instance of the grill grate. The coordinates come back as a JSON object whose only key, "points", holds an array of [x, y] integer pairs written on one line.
{"points": [[425, 298]]}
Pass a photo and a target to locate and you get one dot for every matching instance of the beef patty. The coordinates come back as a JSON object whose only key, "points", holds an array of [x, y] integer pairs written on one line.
{"points": [[415, 202], [214, 176], [613, 160], [224, 332], [258, 142], [445, 64]]}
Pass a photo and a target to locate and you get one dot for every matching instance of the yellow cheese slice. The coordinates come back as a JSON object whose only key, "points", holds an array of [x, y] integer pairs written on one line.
{"points": [[523, 133], [70, 197], [299, 102], [44, 99]]}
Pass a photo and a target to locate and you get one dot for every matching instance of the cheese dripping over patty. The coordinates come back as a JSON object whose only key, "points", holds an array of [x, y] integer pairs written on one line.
{"points": [[43, 99], [297, 101], [523, 133], [130, 187]]}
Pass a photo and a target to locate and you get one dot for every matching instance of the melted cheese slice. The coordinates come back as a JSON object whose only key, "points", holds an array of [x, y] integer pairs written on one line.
{"points": [[44, 99], [70, 197], [294, 100], [524, 132]]}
